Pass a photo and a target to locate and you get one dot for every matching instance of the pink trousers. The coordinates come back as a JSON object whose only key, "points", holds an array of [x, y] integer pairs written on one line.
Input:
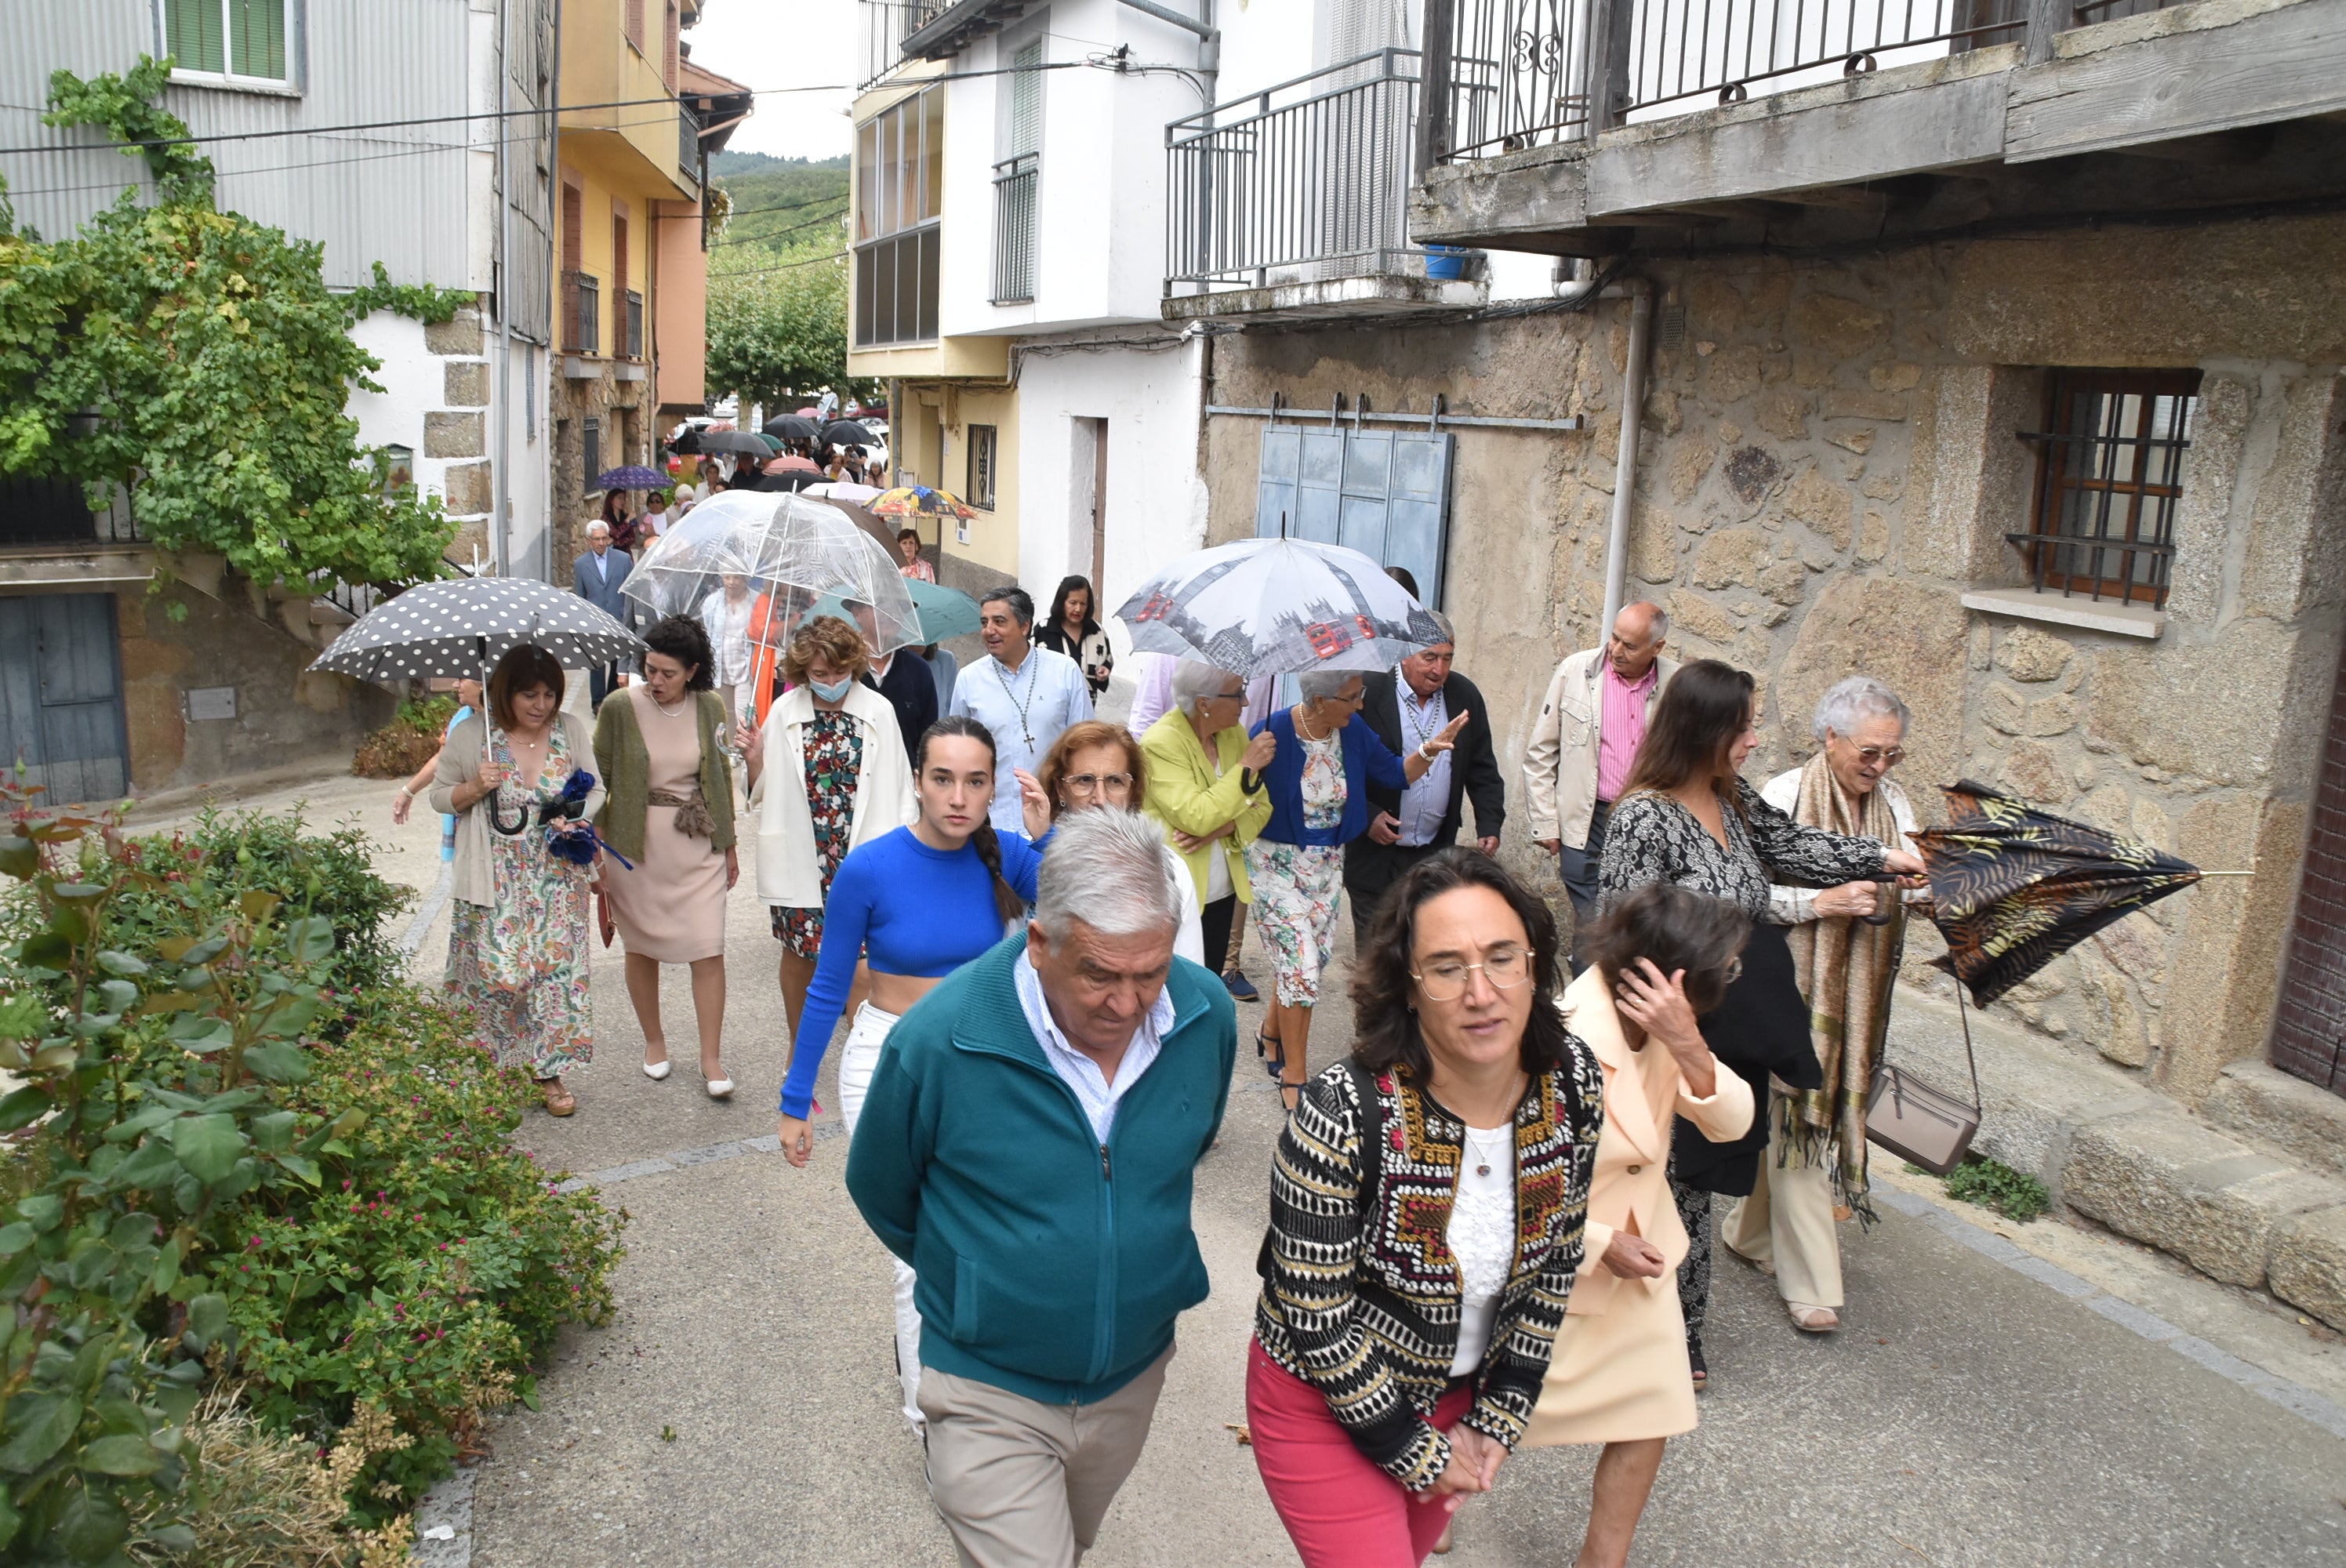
{"points": [[1341, 1511]]}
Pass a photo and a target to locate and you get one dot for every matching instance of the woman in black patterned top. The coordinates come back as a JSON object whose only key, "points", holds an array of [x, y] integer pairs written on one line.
{"points": [[1426, 1208], [1687, 816]]}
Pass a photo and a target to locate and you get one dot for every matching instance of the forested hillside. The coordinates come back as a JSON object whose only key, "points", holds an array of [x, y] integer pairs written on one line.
{"points": [[777, 277]]}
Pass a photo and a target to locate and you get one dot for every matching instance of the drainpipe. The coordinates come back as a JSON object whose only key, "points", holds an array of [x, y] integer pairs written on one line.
{"points": [[1625, 466], [555, 334], [1573, 285], [501, 525], [1209, 37]]}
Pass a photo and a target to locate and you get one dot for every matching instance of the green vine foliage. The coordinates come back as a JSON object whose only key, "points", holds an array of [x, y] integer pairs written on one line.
{"points": [[215, 363]]}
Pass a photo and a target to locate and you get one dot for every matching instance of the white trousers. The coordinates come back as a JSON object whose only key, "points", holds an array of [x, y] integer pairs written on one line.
{"points": [[1788, 1221], [856, 1062]]}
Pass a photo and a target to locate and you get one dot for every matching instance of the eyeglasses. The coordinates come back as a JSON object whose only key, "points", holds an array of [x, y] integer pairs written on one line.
{"points": [[1882, 756], [1092, 783], [1444, 980]]}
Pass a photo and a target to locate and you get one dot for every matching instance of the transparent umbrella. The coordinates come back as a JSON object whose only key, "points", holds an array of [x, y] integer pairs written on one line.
{"points": [[793, 550]]}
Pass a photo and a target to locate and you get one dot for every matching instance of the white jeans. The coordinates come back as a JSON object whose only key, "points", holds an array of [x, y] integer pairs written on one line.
{"points": [[856, 1062]]}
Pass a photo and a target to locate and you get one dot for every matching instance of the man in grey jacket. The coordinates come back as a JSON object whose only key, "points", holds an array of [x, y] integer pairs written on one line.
{"points": [[1586, 742], [597, 576]]}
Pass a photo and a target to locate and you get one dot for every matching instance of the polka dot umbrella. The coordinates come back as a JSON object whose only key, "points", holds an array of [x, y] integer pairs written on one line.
{"points": [[460, 627]]}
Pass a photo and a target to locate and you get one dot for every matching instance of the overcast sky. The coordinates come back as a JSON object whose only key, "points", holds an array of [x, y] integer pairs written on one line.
{"points": [[769, 43]]}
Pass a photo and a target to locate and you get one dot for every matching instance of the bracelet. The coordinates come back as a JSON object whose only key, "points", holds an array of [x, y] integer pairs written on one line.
{"points": [[1422, 755], [405, 793]]}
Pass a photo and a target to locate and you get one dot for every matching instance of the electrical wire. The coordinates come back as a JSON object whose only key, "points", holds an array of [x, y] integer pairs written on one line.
{"points": [[777, 233], [716, 277]]}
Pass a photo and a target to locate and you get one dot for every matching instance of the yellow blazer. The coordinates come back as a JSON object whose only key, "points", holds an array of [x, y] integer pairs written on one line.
{"points": [[1643, 1090], [1184, 793]]}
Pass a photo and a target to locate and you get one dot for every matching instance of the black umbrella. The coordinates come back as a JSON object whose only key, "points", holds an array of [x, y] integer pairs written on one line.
{"points": [[734, 440], [687, 443], [847, 432], [790, 427], [457, 626]]}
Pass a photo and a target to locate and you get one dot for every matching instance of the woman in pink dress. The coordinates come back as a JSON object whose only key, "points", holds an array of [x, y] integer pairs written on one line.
{"points": [[660, 747]]}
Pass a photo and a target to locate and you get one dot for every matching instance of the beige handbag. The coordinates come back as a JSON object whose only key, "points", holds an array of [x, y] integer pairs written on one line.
{"points": [[1918, 1123]]}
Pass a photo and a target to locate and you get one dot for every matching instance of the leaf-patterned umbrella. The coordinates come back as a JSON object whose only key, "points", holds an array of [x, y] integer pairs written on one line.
{"points": [[2014, 888]]}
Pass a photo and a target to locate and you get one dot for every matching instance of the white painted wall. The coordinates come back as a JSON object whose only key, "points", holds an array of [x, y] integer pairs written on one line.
{"points": [[414, 381], [1156, 496]]}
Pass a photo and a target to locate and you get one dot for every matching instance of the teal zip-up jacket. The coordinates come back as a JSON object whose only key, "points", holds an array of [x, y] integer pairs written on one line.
{"points": [[1049, 1266]]}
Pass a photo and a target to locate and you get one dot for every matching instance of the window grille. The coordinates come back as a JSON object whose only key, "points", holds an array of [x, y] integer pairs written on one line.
{"points": [[983, 461], [2109, 470], [592, 456]]}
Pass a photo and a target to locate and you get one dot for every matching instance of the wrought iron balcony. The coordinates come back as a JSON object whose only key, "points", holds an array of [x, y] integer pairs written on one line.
{"points": [[581, 313], [1304, 182], [1015, 181]]}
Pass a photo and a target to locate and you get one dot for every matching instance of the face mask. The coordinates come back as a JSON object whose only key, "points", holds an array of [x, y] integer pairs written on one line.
{"points": [[836, 691]]}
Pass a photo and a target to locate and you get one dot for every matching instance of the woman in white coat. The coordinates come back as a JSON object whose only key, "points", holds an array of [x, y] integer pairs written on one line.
{"points": [[828, 774]]}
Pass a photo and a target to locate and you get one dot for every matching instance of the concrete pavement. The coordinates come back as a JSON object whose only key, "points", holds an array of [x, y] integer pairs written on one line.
{"points": [[739, 1412]]}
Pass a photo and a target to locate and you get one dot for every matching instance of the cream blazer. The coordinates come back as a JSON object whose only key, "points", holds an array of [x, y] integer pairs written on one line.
{"points": [[470, 878], [1643, 1090], [789, 874], [1560, 757]]}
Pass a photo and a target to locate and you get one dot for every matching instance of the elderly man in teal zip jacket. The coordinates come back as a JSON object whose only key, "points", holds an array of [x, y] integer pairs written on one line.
{"points": [[1027, 1145]]}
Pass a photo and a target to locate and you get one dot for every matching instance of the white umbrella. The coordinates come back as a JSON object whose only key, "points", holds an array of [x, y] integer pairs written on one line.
{"points": [[1278, 606]]}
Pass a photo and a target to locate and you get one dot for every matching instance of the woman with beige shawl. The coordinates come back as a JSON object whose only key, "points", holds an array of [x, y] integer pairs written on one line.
{"points": [[1813, 1172]]}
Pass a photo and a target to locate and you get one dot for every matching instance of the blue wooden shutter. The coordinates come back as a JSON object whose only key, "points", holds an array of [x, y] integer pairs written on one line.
{"points": [[1385, 494]]}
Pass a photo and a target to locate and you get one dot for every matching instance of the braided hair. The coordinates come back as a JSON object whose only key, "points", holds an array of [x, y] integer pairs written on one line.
{"points": [[988, 846]]}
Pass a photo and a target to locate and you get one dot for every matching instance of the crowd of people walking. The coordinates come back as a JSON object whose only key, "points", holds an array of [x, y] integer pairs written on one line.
{"points": [[1491, 1216]]}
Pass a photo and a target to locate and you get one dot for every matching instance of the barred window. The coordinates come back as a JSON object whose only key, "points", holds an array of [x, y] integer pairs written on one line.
{"points": [[981, 462], [2109, 470]]}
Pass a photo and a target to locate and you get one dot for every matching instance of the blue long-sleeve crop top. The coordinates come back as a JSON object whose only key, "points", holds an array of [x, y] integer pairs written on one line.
{"points": [[911, 910]]}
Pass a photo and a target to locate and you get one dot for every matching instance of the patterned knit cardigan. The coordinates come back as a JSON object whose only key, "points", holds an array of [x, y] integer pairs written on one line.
{"points": [[1360, 1292]]}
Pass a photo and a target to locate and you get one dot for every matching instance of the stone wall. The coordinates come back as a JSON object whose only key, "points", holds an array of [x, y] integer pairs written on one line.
{"points": [[625, 408], [1829, 460]]}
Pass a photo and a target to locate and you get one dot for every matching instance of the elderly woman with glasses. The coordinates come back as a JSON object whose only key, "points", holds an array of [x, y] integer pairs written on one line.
{"points": [[1845, 942], [1205, 778], [1095, 763], [1318, 778]]}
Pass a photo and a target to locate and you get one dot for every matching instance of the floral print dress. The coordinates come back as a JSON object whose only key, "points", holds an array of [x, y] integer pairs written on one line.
{"points": [[1296, 886], [834, 761], [519, 969]]}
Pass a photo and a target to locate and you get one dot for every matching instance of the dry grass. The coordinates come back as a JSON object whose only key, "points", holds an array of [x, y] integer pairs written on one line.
{"points": [[261, 1501]]}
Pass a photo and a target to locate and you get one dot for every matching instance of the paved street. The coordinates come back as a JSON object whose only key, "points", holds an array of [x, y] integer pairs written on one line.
{"points": [[1967, 1413]]}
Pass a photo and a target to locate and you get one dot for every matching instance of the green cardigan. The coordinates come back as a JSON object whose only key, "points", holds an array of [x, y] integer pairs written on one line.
{"points": [[626, 769]]}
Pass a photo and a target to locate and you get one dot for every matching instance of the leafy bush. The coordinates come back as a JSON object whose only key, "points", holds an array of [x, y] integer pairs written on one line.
{"points": [[2013, 1194], [202, 1186]]}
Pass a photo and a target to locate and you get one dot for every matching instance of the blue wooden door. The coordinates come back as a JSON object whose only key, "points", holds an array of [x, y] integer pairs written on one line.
{"points": [[61, 695]]}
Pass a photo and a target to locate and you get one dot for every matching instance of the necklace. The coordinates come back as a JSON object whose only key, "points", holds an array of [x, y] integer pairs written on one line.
{"points": [[1482, 1153], [1410, 707], [1300, 710], [1025, 728], [672, 712]]}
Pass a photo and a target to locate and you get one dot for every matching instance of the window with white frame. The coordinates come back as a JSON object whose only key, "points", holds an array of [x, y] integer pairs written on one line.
{"points": [[230, 41]]}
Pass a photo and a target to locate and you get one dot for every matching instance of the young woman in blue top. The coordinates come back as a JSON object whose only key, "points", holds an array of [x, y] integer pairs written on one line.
{"points": [[1318, 781], [917, 903]]}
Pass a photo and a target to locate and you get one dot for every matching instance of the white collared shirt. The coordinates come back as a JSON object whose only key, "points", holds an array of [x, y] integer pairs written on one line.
{"points": [[1079, 1072], [1424, 803]]}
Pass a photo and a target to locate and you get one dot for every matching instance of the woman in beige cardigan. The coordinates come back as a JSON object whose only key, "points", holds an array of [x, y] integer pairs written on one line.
{"points": [[828, 774], [661, 746], [517, 924], [1658, 957]]}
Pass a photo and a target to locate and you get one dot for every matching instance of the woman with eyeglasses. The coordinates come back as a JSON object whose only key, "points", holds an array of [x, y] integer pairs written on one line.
{"points": [[1098, 764], [1686, 817], [1205, 786], [1659, 958], [1845, 941], [1427, 1201], [1325, 759]]}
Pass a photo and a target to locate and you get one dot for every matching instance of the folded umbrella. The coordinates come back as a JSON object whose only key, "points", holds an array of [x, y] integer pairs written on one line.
{"points": [[1278, 606], [634, 476], [2014, 888], [456, 626]]}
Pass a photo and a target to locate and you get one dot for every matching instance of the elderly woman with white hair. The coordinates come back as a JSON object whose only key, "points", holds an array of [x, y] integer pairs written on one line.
{"points": [[1845, 945], [1325, 755], [1205, 784]]}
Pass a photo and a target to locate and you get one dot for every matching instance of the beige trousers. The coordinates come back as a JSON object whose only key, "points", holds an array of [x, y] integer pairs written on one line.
{"points": [[1788, 1221], [1023, 1484]]}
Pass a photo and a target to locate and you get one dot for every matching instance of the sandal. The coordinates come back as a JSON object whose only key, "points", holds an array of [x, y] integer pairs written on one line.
{"points": [[1694, 1364], [1812, 1319], [1270, 1052], [559, 1100]]}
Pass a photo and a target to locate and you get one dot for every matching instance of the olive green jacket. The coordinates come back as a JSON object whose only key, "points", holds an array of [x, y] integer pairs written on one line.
{"points": [[627, 768]]}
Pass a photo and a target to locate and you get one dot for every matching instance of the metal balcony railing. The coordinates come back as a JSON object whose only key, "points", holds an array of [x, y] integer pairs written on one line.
{"points": [[635, 347], [886, 23], [688, 144], [1303, 181], [1014, 180], [581, 313]]}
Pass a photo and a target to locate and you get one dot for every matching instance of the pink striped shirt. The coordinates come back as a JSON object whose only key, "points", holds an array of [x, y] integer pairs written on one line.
{"points": [[1620, 726]]}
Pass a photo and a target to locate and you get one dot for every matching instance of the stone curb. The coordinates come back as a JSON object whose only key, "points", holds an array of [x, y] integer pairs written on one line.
{"points": [[2134, 1161]]}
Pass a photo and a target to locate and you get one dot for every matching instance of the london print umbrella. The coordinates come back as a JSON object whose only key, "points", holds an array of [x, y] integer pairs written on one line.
{"points": [[2014, 888], [634, 476], [917, 501], [457, 626], [1278, 606]]}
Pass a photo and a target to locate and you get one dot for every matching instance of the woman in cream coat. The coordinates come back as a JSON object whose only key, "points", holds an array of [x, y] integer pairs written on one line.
{"points": [[1659, 957], [828, 774]]}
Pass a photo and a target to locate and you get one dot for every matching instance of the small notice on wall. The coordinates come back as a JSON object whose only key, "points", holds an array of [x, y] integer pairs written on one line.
{"points": [[211, 702]]}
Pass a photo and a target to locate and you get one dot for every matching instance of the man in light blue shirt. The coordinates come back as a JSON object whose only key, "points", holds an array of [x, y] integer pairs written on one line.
{"points": [[1026, 696]]}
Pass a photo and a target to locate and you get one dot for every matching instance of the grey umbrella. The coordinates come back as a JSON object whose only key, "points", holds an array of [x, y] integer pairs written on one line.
{"points": [[734, 440], [459, 627]]}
